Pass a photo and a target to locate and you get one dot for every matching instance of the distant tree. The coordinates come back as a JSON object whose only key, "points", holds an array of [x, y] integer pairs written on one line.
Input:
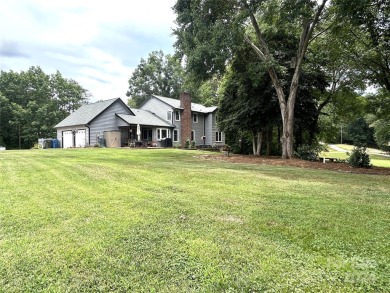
{"points": [[160, 74], [5, 116], [32, 103], [379, 117], [360, 133]]}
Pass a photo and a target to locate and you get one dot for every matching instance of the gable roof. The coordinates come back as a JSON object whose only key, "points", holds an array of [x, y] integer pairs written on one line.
{"points": [[86, 113], [174, 103], [144, 117]]}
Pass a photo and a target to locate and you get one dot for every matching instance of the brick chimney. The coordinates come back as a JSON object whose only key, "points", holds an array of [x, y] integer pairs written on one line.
{"points": [[185, 119]]}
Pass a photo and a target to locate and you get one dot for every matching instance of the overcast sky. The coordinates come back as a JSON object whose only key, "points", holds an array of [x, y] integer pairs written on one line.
{"points": [[96, 43]]}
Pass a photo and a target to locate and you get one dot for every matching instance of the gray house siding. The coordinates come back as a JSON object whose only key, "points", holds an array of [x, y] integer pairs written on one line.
{"points": [[215, 129], [161, 109], [208, 129], [106, 121], [198, 128], [158, 107]]}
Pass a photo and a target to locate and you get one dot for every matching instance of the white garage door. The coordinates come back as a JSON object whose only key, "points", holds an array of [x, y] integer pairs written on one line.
{"points": [[80, 138], [67, 139]]}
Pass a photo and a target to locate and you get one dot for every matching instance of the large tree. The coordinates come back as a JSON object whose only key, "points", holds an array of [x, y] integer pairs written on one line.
{"points": [[209, 31], [247, 100], [32, 103], [159, 74], [366, 27]]}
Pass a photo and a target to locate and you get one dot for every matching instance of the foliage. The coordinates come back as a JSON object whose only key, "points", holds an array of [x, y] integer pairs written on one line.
{"points": [[376, 159], [360, 133], [247, 101], [209, 33], [186, 224], [379, 118], [367, 22], [309, 153], [160, 75], [187, 144], [32, 103], [359, 158], [193, 144]]}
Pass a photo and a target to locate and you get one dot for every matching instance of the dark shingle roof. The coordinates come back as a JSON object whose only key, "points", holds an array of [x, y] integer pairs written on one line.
{"points": [[144, 117], [86, 113]]}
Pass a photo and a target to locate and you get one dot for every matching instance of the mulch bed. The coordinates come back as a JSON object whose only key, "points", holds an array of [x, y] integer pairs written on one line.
{"points": [[277, 161]]}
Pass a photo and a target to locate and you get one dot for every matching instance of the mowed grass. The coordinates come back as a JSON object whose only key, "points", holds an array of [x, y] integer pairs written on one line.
{"points": [[130, 220], [375, 159]]}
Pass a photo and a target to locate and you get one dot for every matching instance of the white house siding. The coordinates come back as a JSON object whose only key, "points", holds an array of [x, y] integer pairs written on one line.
{"points": [[106, 121]]}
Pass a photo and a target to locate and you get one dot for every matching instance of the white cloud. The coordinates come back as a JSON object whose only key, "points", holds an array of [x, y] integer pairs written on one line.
{"points": [[96, 43]]}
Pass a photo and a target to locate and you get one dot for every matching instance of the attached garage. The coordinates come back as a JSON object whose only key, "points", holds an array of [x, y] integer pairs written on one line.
{"points": [[83, 127], [67, 139], [80, 138]]}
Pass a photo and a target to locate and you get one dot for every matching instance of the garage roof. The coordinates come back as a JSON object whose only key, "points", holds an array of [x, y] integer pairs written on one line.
{"points": [[86, 113]]}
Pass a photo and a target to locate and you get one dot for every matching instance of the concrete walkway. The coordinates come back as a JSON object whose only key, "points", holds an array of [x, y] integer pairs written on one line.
{"points": [[336, 148], [369, 151]]}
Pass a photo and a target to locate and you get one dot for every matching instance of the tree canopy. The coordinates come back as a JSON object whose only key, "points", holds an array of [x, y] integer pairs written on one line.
{"points": [[32, 103], [159, 74], [210, 31]]}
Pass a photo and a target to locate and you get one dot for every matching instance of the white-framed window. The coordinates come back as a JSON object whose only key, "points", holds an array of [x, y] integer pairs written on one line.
{"points": [[162, 133], [218, 136], [195, 117], [192, 135], [169, 115], [175, 135], [177, 115]]}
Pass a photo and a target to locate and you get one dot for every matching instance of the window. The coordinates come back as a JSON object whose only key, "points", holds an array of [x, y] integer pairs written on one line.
{"points": [[192, 135], [146, 134], [177, 115], [169, 115], [195, 118], [162, 133], [218, 136], [175, 135]]}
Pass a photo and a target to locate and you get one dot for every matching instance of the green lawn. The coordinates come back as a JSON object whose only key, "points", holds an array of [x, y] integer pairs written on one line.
{"points": [[376, 159], [131, 220]]}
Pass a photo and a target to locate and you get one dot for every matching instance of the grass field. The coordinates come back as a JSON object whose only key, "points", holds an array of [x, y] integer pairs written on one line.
{"points": [[164, 221], [375, 159]]}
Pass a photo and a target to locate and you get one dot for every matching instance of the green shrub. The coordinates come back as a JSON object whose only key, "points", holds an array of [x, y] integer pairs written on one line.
{"points": [[308, 153], [188, 143], [359, 158], [193, 144]]}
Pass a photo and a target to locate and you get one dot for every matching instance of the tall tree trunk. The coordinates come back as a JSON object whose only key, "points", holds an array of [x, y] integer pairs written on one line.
{"points": [[254, 142], [20, 138], [269, 140], [259, 143], [262, 50]]}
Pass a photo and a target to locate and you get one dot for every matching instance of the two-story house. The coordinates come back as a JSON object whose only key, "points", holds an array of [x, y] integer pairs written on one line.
{"points": [[158, 121], [190, 120]]}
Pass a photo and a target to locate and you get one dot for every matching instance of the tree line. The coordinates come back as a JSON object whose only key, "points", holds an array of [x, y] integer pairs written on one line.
{"points": [[32, 103], [284, 72]]}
